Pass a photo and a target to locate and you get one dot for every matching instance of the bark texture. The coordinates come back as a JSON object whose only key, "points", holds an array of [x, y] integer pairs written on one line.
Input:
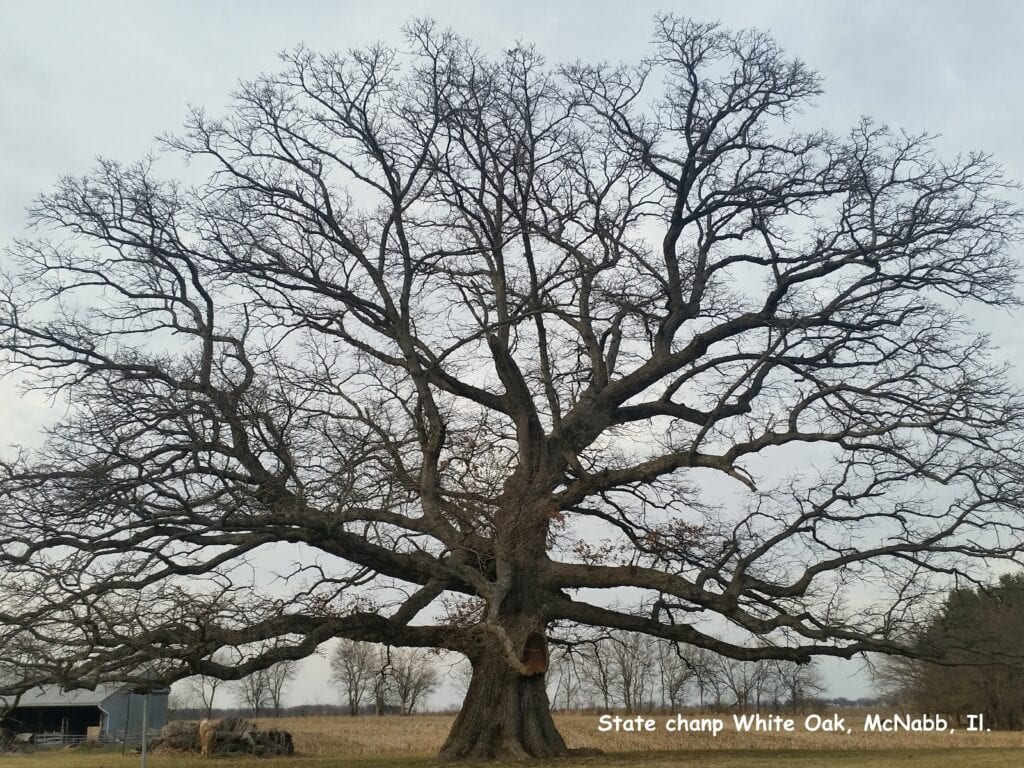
{"points": [[505, 716]]}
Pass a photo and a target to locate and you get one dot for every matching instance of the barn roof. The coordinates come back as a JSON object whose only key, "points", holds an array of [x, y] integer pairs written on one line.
{"points": [[55, 696]]}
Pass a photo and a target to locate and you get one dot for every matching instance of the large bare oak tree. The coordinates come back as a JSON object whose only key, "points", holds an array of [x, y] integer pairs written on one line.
{"points": [[444, 348]]}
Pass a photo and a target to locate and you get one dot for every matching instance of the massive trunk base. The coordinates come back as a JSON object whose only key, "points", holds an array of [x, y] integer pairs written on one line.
{"points": [[506, 716]]}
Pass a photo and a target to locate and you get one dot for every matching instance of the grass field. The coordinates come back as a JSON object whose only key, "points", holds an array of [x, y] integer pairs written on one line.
{"points": [[411, 742], [729, 758]]}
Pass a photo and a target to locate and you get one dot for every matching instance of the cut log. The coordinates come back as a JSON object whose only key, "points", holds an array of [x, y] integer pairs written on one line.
{"points": [[234, 736]]}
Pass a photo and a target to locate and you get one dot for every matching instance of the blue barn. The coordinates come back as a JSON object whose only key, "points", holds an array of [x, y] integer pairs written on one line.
{"points": [[108, 712]]}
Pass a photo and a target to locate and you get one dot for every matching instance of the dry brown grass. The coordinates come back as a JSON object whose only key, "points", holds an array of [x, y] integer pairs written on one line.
{"points": [[412, 742], [921, 758], [423, 734], [364, 735]]}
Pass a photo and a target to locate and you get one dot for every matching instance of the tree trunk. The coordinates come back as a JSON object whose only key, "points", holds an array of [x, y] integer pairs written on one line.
{"points": [[505, 716]]}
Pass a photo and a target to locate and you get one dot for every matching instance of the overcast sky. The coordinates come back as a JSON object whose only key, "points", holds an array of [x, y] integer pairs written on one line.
{"points": [[83, 79]]}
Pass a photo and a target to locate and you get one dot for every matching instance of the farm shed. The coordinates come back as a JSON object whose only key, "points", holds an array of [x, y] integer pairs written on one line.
{"points": [[114, 709]]}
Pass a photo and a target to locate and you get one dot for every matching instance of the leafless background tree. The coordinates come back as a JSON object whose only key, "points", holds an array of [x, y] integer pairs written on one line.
{"points": [[399, 677], [412, 676], [635, 672], [748, 684], [353, 669], [280, 676], [798, 685], [253, 692], [461, 337], [203, 688], [675, 674], [599, 673], [262, 692], [566, 679]]}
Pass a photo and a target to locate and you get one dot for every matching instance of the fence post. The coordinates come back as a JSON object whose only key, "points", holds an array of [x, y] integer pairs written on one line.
{"points": [[145, 726], [127, 716]]}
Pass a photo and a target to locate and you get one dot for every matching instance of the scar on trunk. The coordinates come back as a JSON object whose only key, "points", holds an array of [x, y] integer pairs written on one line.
{"points": [[535, 654]]}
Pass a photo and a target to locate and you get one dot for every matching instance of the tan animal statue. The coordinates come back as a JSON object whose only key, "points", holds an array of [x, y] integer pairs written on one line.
{"points": [[207, 737]]}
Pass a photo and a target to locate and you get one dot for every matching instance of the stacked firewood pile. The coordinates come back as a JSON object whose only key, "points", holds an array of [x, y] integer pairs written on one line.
{"points": [[234, 736]]}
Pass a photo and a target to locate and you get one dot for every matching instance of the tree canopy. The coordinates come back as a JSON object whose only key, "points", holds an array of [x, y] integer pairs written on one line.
{"points": [[446, 349]]}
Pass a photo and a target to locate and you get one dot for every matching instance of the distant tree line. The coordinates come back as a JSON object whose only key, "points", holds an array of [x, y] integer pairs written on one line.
{"points": [[636, 672], [977, 636], [369, 678], [616, 670], [260, 694]]}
